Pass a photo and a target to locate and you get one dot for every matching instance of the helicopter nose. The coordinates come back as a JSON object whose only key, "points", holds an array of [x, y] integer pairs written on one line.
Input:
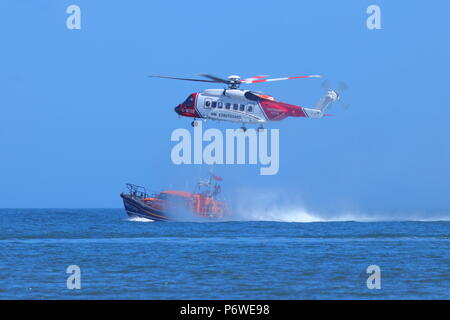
{"points": [[178, 109]]}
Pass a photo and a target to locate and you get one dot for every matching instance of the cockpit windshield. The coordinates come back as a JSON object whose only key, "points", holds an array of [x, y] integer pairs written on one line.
{"points": [[189, 101]]}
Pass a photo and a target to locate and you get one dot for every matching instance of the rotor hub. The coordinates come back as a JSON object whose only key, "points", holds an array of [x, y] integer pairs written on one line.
{"points": [[235, 81]]}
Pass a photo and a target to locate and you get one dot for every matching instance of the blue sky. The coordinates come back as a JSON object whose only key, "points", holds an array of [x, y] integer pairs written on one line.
{"points": [[79, 117]]}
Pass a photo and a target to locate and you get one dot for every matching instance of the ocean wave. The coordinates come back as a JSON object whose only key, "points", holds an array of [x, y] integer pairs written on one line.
{"points": [[305, 216], [139, 219]]}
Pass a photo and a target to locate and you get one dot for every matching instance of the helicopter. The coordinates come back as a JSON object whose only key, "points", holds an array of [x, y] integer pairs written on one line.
{"points": [[233, 104]]}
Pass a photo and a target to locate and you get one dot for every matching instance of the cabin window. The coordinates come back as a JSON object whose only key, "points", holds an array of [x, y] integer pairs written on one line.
{"points": [[219, 105], [189, 101], [235, 106], [213, 104], [249, 108], [207, 103], [242, 107], [227, 106]]}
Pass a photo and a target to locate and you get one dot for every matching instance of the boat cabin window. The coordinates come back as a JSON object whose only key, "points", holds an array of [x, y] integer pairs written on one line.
{"points": [[213, 104], [227, 106], [171, 197], [249, 108], [219, 104], [235, 106], [207, 103], [242, 107], [163, 196]]}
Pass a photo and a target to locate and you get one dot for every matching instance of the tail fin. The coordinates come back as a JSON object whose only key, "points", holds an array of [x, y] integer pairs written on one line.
{"points": [[319, 110], [324, 102], [330, 97]]}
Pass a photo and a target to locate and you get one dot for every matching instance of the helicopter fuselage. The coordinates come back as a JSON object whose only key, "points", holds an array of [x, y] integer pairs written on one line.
{"points": [[242, 106]]}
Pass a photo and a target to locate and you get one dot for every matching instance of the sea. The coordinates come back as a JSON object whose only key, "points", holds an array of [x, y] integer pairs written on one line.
{"points": [[115, 257]]}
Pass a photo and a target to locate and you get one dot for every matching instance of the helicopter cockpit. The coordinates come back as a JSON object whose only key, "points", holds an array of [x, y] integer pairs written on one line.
{"points": [[187, 108], [189, 102]]}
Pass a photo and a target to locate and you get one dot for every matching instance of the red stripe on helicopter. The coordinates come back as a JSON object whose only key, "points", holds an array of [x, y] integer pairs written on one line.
{"points": [[276, 110]]}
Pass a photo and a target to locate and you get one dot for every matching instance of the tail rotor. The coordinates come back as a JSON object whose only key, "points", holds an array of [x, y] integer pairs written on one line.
{"points": [[340, 88]]}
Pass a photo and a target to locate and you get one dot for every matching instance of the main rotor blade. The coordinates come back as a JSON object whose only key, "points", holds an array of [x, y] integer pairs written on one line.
{"points": [[253, 78], [187, 79], [216, 79], [279, 79]]}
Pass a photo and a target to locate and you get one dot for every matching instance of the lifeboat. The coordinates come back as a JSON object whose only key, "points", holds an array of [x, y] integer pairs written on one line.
{"points": [[171, 205]]}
